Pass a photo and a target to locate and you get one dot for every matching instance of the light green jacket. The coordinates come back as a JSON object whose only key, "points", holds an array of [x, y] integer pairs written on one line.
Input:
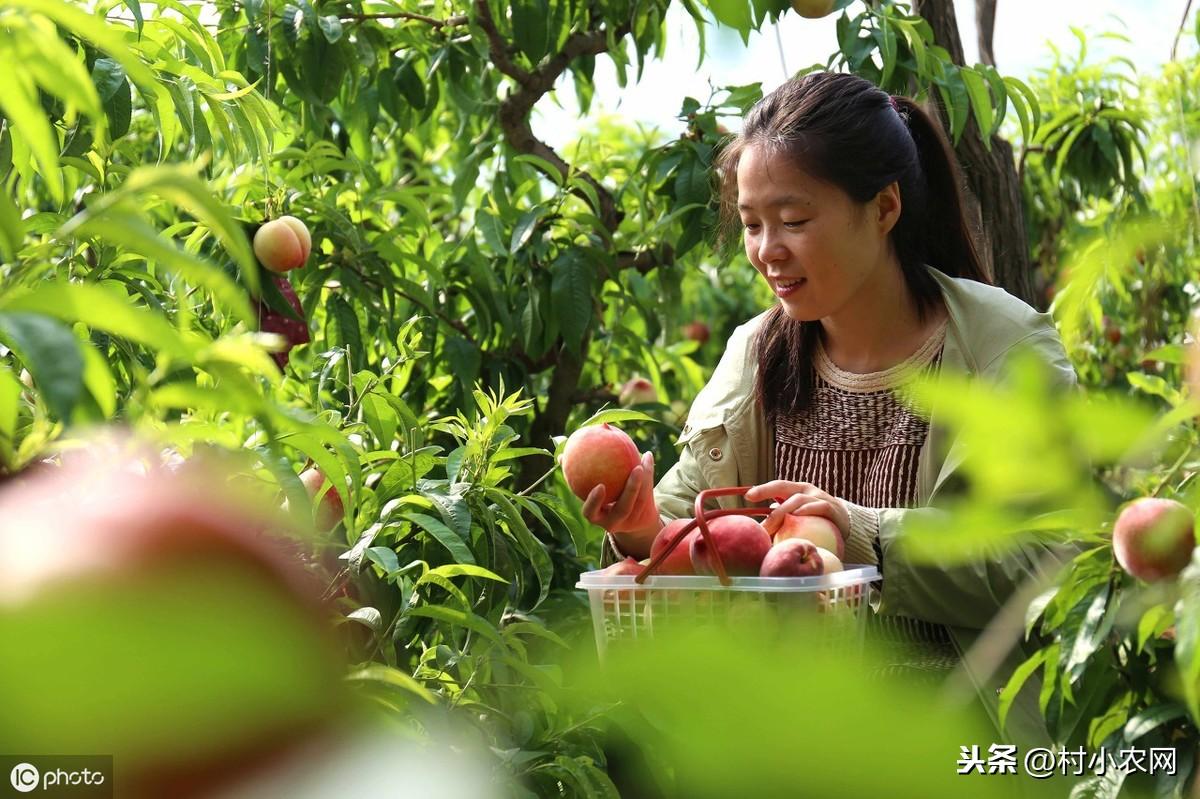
{"points": [[726, 442]]}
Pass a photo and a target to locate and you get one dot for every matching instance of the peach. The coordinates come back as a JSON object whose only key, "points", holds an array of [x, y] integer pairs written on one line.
{"points": [[637, 391], [833, 563], [599, 455], [741, 542], [812, 9], [1153, 538], [817, 529], [697, 331], [626, 567], [330, 510], [680, 559], [794, 557], [282, 244]]}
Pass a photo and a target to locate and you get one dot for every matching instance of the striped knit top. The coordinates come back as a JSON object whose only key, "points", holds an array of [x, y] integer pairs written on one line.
{"points": [[860, 442]]}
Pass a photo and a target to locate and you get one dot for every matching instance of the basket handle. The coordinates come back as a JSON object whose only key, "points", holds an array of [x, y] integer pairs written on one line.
{"points": [[701, 518]]}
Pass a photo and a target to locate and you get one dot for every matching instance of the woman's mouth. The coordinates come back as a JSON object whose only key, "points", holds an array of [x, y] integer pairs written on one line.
{"points": [[784, 288]]}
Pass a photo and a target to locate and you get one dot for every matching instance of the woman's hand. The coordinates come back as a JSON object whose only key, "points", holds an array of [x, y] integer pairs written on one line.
{"points": [[628, 517], [802, 499]]}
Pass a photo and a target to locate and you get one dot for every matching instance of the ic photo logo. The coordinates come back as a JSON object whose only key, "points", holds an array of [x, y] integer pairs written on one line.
{"points": [[54, 776], [24, 777]]}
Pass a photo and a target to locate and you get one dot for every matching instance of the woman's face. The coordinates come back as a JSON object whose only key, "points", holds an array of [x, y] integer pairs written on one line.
{"points": [[815, 246]]}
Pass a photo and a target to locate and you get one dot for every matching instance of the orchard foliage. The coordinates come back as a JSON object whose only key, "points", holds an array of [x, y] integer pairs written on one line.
{"points": [[473, 295]]}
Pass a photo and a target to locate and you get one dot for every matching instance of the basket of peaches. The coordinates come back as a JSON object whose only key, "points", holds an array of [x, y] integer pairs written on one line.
{"points": [[718, 565]]}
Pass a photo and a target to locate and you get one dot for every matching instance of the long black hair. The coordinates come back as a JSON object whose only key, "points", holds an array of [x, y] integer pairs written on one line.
{"points": [[842, 129]]}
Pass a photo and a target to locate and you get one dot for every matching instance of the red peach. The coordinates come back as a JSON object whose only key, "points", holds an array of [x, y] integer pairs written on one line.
{"points": [[637, 391], [282, 244], [741, 542], [680, 559], [817, 529], [330, 511], [696, 331], [599, 455], [1153, 538], [795, 557]]}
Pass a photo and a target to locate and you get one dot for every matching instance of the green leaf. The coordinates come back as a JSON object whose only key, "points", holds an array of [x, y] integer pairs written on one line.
{"points": [[98, 378], [345, 322], [529, 544], [530, 21], [525, 227], [18, 102], [377, 672], [545, 167], [1153, 718], [179, 185], [10, 406], [11, 228], [1095, 624], [444, 535], [981, 101], [135, 8], [51, 352], [691, 183], [1154, 622], [957, 102], [572, 276], [735, 14], [125, 229], [460, 618], [467, 569], [1015, 683], [101, 309], [331, 27]]}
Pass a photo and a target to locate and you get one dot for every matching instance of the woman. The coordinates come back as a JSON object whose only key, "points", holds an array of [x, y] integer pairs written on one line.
{"points": [[851, 211]]}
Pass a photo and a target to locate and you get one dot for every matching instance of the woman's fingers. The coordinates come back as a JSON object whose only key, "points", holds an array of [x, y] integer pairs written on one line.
{"points": [[594, 502], [777, 489], [629, 495]]}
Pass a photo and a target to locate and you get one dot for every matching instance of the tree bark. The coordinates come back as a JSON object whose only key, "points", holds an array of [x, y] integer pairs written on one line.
{"points": [[994, 190], [985, 29]]}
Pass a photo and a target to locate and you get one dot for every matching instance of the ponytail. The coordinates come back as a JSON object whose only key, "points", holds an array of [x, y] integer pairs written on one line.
{"points": [[937, 233]]}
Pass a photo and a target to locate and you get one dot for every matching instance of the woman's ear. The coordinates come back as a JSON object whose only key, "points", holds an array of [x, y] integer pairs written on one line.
{"points": [[886, 208]]}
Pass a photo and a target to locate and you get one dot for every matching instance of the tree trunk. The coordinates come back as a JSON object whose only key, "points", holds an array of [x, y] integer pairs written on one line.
{"points": [[994, 188]]}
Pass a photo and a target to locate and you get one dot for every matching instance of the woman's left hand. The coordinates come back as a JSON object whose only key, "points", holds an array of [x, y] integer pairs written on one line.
{"points": [[802, 499]]}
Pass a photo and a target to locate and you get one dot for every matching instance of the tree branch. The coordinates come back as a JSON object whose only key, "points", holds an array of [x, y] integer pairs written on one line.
{"points": [[1182, 24], [985, 29], [498, 47], [517, 106], [456, 21]]}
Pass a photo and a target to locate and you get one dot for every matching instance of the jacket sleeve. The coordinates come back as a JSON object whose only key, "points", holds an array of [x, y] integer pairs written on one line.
{"points": [[676, 491], [967, 594]]}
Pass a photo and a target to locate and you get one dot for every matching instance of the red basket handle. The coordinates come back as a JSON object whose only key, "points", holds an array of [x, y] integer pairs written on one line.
{"points": [[702, 517]]}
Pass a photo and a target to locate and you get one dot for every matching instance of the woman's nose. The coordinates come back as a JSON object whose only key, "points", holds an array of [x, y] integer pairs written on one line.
{"points": [[771, 247]]}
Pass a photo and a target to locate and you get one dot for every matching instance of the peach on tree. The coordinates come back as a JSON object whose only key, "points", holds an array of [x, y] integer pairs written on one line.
{"points": [[282, 244], [1153, 538]]}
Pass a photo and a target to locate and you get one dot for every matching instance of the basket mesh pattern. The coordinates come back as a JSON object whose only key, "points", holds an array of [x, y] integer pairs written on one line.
{"points": [[624, 615]]}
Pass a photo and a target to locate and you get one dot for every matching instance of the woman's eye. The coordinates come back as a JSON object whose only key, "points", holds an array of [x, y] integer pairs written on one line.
{"points": [[795, 224], [750, 226]]}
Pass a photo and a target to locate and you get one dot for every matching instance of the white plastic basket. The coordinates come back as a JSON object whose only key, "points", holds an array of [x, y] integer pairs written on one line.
{"points": [[627, 607], [624, 611]]}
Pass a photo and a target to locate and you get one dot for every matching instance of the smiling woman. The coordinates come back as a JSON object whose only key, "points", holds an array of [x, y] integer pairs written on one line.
{"points": [[849, 206]]}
